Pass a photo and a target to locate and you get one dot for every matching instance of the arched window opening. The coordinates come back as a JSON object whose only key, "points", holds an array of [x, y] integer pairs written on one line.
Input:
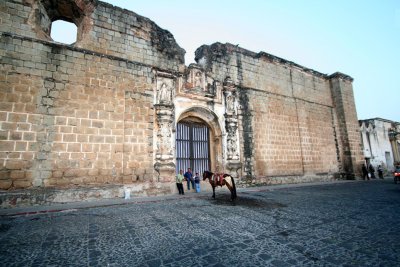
{"points": [[64, 32]]}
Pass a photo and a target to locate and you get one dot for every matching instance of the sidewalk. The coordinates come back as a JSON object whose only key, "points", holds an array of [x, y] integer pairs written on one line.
{"points": [[73, 206]]}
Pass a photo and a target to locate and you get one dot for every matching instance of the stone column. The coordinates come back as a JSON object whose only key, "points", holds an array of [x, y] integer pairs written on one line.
{"points": [[231, 125], [164, 108], [164, 164], [350, 153]]}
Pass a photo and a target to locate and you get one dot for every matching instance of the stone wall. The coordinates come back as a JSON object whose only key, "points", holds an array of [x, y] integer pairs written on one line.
{"points": [[296, 121], [102, 28], [73, 118], [103, 110]]}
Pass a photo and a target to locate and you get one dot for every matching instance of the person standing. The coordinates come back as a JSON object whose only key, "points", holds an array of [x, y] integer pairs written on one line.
{"points": [[371, 170], [364, 172], [380, 171], [197, 182], [179, 180], [189, 178]]}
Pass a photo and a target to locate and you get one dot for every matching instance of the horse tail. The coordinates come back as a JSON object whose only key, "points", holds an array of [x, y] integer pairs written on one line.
{"points": [[233, 187]]}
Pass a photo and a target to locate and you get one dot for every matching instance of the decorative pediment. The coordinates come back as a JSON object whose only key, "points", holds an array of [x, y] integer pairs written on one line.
{"points": [[196, 84]]}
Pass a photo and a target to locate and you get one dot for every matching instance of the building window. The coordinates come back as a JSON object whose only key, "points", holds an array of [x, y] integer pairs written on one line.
{"points": [[63, 32]]}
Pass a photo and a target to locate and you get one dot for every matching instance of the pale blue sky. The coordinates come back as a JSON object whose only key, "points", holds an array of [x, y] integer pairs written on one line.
{"points": [[360, 38]]}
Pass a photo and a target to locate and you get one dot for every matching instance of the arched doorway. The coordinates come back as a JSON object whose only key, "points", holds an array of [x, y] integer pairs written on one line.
{"points": [[192, 146], [198, 140]]}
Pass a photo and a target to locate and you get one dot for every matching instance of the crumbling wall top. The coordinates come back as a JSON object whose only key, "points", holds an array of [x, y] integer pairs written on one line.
{"points": [[205, 55], [138, 29], [101, 28]]}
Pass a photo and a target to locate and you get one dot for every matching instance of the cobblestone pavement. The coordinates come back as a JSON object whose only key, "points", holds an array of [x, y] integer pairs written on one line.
{"points": [[344, 224]]}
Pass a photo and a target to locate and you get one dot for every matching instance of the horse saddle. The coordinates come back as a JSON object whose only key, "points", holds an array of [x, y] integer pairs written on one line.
{"points": [[218, 178]]}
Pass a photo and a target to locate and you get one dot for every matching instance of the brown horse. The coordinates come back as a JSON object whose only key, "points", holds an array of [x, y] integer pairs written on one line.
{"points": [[226, 179]]}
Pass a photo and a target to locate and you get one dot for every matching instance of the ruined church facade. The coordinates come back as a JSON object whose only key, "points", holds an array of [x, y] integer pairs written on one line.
{"points": [[112, 107]]}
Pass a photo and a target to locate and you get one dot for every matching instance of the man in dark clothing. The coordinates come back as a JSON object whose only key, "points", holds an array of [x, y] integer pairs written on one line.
{"points": [[364, 172], [380, 171], [189, 178], [371, 170]]}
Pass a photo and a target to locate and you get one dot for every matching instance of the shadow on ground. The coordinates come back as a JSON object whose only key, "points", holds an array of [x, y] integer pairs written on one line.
{"points": [[244, 201]]}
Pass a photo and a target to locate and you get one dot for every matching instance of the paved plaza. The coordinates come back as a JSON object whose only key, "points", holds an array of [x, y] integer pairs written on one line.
{"points": [[354, 223]]}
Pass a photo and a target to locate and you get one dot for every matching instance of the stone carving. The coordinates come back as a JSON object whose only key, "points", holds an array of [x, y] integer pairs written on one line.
{"points": [[198, 81], [231, 148], [164, 164], [164, 106], [164, 91], [230, 103], [230, 96], [232, 153], [231, 123], [217, 90], [164, 139]]}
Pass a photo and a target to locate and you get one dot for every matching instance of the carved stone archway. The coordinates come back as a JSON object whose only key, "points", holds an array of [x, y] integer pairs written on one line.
{"points": [[207, 117]]}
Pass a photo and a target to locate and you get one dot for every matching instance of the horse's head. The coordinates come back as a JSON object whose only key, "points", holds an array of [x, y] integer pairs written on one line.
{"points": [[207, 174]]}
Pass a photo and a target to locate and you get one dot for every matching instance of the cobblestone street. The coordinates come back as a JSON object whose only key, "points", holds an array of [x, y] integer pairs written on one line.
{"points": [[338, 224]]}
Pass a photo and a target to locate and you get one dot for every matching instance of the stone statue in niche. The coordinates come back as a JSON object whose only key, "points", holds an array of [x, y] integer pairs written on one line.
{"points": [[164, 95], [217, 90], [230, 104], [198, 81]]}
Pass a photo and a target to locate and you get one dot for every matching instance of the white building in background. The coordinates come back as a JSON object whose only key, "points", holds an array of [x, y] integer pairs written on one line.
{"points": [[380, 145]]}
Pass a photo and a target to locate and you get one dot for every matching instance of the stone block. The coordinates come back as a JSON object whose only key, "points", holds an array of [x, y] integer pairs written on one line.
{"points": [[70, 173], [5, 185], [81, 138], [17, 175], [20, 184], [72, 147], [33, 146], [15, 164], [98, 124], [15, 135], [21, 146], [69, 138], [7, 145], [59, 147], [17, 117], [28, 136]]}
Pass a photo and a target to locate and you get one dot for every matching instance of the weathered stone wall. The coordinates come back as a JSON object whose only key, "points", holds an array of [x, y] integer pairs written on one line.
{"points": [[349, 149], [290, 124], [80, 114], [264, 72], [276, 136], [103, 110], [102, 28], [73, 117]]}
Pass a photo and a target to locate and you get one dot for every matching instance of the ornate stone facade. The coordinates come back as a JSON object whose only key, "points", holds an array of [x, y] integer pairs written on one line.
{"points": [[104, 110]]}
